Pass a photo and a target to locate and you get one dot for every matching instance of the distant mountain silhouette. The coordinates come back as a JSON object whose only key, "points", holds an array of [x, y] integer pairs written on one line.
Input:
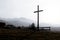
{"points": [[18, 21], [26, 22]]}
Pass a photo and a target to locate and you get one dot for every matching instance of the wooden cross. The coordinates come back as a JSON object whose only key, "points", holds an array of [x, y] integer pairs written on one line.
{"points": [[38, 16]]}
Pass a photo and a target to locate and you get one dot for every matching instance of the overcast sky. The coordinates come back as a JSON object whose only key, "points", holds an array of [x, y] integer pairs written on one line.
{"points": [[26, 8]]}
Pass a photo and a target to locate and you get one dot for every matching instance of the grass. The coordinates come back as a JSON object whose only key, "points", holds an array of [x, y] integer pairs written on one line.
{"points": [[21, 34]]}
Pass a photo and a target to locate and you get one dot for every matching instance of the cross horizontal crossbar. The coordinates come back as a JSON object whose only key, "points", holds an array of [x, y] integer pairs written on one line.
{"points": [[38, 11]]}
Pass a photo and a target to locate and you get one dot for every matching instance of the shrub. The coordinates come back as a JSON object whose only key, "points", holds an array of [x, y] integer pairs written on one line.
{"points": [[32, 26], [2, 24]]}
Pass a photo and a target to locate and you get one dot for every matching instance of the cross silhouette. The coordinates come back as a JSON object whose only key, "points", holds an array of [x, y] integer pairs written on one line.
{"points": [[38, 16]]}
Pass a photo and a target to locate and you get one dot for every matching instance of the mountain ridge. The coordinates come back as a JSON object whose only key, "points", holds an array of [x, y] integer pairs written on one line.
{"points": [[18, 21]]}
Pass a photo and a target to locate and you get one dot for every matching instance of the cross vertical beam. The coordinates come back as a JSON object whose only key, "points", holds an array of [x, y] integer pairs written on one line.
{"points": [[38, 16]]}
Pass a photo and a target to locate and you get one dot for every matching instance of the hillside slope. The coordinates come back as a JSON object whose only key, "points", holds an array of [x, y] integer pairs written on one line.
{"points": [[19, 34]]}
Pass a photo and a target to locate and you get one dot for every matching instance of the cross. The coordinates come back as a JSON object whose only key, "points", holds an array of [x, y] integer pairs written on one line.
{"points": [[38, 16]]}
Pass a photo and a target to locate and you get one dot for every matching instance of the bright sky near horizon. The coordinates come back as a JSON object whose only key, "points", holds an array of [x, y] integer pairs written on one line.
{"points": [[26, 8]]}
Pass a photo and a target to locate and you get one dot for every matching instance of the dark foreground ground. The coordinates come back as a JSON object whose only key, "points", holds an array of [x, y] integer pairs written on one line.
{"points": [[19, 34]]}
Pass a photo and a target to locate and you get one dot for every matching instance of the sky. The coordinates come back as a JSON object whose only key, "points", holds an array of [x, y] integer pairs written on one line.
{"points": [[26, 8]]}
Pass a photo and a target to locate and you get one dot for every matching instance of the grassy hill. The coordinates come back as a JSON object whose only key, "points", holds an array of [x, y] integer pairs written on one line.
{"points": [[22, 34]]}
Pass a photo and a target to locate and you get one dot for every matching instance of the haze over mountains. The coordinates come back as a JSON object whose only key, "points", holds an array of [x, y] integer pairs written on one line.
{"points": [[26, 22], [17, 21]]}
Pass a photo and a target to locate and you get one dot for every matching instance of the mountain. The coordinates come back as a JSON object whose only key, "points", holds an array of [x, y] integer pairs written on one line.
{"points": [[26, 22], [18, 21]]}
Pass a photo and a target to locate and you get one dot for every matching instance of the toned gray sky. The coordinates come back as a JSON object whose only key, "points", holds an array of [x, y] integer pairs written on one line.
{"points": [[25, 8]]}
